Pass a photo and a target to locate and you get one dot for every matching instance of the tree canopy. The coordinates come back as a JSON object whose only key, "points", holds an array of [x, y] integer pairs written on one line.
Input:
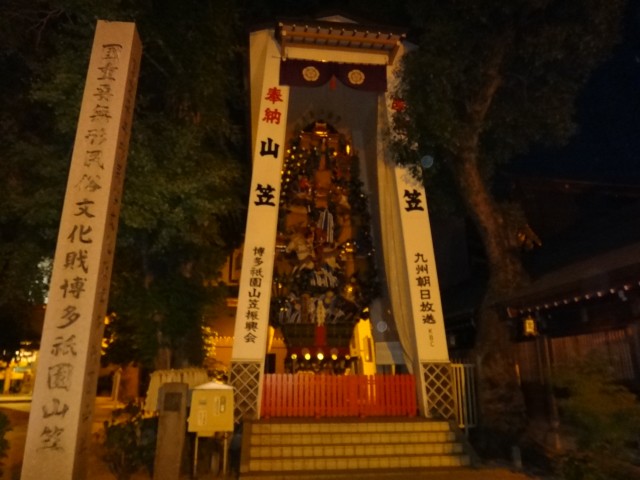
{"points": [[489, 81], [182, 207]]}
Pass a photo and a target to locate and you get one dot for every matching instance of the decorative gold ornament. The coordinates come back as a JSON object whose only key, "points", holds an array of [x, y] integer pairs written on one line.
{"points": [[356, 77], [310, 74]]}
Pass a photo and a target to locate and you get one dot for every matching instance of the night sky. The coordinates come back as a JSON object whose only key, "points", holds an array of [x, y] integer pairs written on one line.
{"points": [[606, 147]]}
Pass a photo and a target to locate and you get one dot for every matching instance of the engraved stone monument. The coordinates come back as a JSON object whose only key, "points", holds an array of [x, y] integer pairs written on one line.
{"points": [[65, 388]]}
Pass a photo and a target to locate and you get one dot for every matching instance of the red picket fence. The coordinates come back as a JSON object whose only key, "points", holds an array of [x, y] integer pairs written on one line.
{"points": [[286, 395]]}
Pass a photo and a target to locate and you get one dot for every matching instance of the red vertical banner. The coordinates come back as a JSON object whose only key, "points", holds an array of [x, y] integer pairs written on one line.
{"points": [[413, 403], [384, 397], [299, 396], [289, 395], [353, 395], [333, 395], [265, 401]]}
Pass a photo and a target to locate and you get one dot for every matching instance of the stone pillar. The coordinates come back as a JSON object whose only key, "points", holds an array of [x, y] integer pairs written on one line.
{"points": [[172, 426], [59, 427]]}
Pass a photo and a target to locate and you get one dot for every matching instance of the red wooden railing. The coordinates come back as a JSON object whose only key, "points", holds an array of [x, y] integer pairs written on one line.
{"points": [[286, 395]]}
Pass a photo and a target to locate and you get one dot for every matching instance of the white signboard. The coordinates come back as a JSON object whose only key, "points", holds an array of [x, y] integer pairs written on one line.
{"points": [[426, 305], [254, 297]]}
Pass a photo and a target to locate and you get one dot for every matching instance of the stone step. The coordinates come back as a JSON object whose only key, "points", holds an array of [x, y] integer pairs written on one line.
{"points": [[456, 473], [286, 448], [352, 438], [357, 463], [360, 450], [350, 427]]}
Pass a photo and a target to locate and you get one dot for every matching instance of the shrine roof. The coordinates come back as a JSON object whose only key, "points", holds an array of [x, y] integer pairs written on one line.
{"points": [[339, 33], [592, 278]]}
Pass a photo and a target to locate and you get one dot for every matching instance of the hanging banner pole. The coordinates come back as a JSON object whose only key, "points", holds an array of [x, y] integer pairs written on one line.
{"points": [[254, 296], [426, 305]]}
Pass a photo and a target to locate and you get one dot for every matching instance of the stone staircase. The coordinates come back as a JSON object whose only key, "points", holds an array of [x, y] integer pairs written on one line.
{"points": [[349, 448]]}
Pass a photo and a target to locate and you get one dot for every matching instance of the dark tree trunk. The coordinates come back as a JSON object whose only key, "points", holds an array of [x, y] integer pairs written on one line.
{"points": [[502, 409]]}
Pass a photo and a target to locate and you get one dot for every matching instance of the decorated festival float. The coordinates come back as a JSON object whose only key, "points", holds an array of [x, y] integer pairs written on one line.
{"points": [[338, 262], [324, 273], [338, 256]]}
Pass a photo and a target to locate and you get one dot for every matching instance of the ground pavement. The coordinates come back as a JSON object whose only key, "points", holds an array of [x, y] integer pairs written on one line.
{"points": [[17, 409]]}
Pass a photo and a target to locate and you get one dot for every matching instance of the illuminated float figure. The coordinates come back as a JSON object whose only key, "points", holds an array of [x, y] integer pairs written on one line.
{"points": [[327, 277]]}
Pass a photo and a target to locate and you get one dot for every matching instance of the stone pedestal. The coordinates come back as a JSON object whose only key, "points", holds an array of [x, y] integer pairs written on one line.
{"points": [[172, 426]]}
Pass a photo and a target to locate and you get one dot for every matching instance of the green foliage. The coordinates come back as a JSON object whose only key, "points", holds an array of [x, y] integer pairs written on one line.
{"points": [[31, 185], [602, 416], [184, 187], [167, 312], [129, 441], [4, 443], [602, 413], [508, 72], [489, 81]]}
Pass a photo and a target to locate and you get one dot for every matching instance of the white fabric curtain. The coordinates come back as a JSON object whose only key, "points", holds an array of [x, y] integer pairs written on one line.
{"points": [[392, 244]]}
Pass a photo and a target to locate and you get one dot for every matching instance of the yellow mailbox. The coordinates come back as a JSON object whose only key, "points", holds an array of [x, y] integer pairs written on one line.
{"points": [[211, 409]]}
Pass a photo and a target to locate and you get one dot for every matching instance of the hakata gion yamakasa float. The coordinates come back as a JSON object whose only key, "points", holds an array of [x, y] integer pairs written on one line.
{"points": [[338, 257]]}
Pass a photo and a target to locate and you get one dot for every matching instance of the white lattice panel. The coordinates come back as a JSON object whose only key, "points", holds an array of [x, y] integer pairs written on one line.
{"points": [[245, 379], [440, 396]]}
